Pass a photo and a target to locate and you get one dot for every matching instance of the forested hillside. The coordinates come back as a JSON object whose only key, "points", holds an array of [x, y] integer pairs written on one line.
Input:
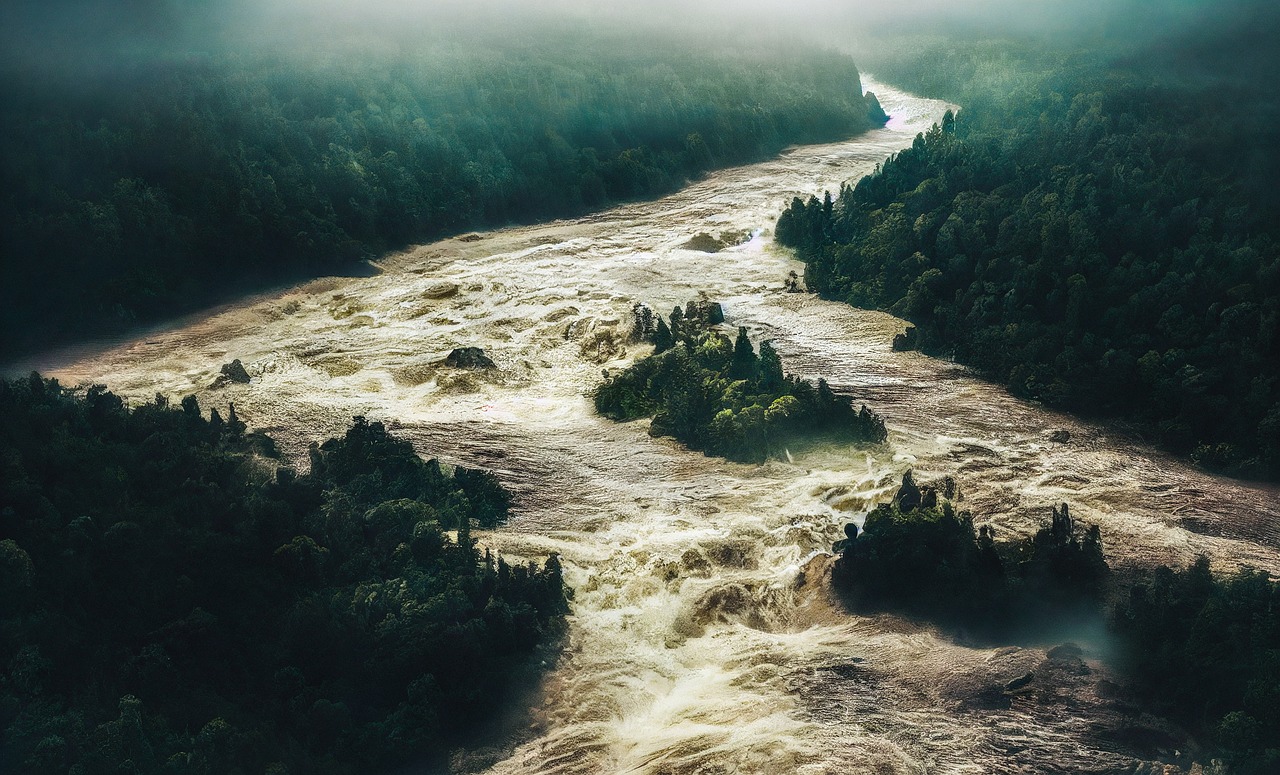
{"points": [[1196, 646], [141, 182], [1097, 230], [173, 599]]}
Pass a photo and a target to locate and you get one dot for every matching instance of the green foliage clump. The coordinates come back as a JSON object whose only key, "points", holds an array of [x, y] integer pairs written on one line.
{"points": [[1200, 648], [138, 184], [720, 396], [168, 602], [1098, 238], [920, 555], [1206, 650]]}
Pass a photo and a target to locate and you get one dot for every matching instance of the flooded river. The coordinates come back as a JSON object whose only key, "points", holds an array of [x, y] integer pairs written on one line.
{"points": [[702, 639]]}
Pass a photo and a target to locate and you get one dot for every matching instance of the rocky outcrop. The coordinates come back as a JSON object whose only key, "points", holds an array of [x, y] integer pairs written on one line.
{"points": [[231, 372], [874, 111], [908, 496], [1020, 684], [905, 341]]}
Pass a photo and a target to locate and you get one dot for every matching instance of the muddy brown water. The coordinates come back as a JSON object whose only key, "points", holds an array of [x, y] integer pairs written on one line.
{"points": [[692, 648]]}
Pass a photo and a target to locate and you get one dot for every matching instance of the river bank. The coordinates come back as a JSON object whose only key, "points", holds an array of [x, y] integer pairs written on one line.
{"points": [[691, 648]]}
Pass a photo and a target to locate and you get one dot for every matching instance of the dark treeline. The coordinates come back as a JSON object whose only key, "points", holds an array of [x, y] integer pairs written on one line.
{"points": [[1203, 649], [171, 599], [720, 396], [141, 181], [926, 557], [1097, 231]]}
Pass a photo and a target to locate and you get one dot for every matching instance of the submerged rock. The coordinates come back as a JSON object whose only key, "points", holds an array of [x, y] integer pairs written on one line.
{"points": [[441, 290], [469, 358], [1020, 683], [695, 563], [704, 242], [560, 314]]}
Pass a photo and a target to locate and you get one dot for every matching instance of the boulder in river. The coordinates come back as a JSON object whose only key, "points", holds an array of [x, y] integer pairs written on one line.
{"points": [[232, 372], [469, 358], [704, 242]]}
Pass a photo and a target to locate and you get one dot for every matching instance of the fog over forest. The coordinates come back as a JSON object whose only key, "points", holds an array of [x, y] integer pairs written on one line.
{"points": [[660, 387], [33, 25]]}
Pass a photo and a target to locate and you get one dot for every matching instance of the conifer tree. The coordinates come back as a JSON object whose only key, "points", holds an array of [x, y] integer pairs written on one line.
{"points": [[744, 364], [662, 338], [770, 366]]}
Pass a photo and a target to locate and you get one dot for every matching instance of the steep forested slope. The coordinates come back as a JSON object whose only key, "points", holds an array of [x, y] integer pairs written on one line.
{"points": [[1096, 230], [142, 180]]}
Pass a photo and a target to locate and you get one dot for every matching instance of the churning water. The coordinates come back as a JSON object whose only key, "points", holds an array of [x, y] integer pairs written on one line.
{"points": [[702, 638]]}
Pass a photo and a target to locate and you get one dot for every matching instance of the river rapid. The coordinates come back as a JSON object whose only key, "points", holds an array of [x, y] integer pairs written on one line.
{"points": [[702, 638]]}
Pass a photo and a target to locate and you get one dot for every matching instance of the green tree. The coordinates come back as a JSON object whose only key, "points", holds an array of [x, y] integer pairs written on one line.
{"points": [[745, 363], [771, 376]]}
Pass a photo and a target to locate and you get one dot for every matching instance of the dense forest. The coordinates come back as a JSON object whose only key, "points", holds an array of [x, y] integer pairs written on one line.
{"points": [[140, 182], [173, 598], [927, 557], [1097, 227], [1097, 230], [1201, 648], [721, 396]]}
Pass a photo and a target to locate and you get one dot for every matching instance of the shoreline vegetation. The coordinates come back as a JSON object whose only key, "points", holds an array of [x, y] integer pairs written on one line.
{"points": [[1089, 231], [720, 396], [1201, 648], [144, 183], [176, 598]]}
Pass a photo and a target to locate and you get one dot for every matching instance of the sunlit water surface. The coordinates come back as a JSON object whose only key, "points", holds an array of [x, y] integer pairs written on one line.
{"points": [[696, 645]]}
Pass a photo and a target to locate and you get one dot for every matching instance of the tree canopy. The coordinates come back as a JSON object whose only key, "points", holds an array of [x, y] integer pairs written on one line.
{"points": [[1202, 648], [1093, 237], [172, 598], [718, 395], [138, 184]]}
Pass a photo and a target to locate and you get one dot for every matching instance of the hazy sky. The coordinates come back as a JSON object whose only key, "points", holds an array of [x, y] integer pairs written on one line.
{"points": [[818, 16], [36, 29]]}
